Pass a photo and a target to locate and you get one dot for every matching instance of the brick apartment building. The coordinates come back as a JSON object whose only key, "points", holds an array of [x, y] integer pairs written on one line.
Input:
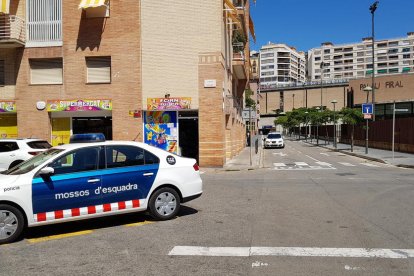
{"points": [[136, 70]]}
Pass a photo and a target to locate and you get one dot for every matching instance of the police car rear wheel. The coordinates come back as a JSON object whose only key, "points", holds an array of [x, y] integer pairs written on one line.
{"points": [[11, 223], [164, 204]]}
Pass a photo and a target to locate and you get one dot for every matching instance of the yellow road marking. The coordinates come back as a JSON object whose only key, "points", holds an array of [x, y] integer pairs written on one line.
{"points": [[139, 223], [61, 236]]}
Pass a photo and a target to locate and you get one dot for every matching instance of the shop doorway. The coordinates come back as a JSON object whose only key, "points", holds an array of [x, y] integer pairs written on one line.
{"points": [[93, 125], [188, 135]]}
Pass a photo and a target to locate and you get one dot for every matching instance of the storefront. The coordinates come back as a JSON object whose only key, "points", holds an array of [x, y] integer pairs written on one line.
{"points": [[79, 116], [8, 119], [170, 124]]}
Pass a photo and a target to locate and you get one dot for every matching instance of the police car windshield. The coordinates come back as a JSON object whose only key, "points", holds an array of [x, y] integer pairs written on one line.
{"points": [[33, 162], [274, 136]]}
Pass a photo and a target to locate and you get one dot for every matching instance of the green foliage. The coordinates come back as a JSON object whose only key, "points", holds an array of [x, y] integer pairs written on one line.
{"points": [[352, 116], [248, 100], [239, 41]]}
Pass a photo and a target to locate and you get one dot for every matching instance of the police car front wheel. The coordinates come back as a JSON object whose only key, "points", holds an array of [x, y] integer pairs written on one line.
{"points": [[164, 204], [11, 223]]}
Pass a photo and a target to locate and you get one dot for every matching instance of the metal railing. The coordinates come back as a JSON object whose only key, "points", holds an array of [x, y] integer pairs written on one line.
{"points": [[12, 27]]}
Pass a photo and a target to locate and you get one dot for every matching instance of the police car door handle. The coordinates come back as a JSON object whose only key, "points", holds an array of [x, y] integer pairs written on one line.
{"points": [[148, 174], [93, 180]]}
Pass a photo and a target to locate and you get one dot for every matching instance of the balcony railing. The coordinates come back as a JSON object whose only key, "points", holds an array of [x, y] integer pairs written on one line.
{"points": [[12, 28]]}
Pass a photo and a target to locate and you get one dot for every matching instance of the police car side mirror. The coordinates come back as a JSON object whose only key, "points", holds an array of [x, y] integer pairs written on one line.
{"points": [[47, 171]]}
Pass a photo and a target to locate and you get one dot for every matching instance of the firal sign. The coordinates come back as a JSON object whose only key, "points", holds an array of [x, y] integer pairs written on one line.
{"points": [[367, 108]]}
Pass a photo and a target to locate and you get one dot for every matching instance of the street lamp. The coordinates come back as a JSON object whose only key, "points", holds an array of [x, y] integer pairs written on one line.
{"points": [[372, 9], [334, 103], [317, 125], [322, 65], [306, 126], [293, 97], [367, 90]]}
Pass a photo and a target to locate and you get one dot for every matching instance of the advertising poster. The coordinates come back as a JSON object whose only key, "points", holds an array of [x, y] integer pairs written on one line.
{"points": [[161, 130], [168, 103]]}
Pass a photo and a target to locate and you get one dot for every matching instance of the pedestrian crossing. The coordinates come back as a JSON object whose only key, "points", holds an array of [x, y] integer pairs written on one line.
{"points": [[317, 166]]}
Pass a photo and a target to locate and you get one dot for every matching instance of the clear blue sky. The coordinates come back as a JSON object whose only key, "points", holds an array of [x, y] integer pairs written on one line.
{"points": [[305, 24]]}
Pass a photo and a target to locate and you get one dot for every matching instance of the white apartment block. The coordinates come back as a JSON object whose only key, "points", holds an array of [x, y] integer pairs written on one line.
{"points": [[354, 60], [281, 65]]}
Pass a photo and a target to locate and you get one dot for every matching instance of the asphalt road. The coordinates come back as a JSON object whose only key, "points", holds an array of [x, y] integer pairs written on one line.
{"points": [[305, 199]]}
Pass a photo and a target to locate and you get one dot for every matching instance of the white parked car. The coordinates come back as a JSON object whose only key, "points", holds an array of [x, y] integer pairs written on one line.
{"points": [[15, 151], [87, 180], [274, 140]]}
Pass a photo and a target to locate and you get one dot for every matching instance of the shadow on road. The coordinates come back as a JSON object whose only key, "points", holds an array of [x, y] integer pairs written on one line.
{"points": [[96, 223]]}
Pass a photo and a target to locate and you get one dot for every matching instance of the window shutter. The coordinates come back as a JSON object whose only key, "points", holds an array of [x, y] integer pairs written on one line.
{"points": [[99, 69], [46, 71]]}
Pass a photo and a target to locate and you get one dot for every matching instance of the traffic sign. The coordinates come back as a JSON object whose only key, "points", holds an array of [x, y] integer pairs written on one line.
{"points": [[367, 116], [367, 108]]}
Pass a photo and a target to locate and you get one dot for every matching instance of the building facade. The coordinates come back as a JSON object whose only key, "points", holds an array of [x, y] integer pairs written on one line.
{"points": [[139, 70], [281, 64], [354, 60]]}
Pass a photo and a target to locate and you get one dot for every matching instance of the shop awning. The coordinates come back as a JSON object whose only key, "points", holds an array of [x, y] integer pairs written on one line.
{"points": [[4, 6], [90, 4], [251, 28]]}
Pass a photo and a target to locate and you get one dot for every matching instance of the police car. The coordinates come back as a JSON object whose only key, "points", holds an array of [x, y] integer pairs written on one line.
{"points": [[81, 181]]}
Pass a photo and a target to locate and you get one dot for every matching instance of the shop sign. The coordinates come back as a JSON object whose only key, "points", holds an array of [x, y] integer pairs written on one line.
{"points": [[78, 105], [161, 130], [8, 107], [168, 103]]}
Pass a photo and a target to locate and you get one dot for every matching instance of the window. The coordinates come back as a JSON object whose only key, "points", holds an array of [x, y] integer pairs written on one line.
{"points": [[268, 55], [44, 23], [317, 58], [393, 70], [126, 156], [406, 56], [404, 50], [98, 69], [327, 51], [2, 73], [84, 159], [46, 71], [8, 146]]}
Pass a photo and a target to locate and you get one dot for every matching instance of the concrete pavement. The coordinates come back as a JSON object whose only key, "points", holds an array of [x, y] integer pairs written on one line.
{"points": [[243, 161]]}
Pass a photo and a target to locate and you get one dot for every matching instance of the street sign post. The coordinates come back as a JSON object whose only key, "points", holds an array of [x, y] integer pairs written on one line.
{"points": [[367, 108]]}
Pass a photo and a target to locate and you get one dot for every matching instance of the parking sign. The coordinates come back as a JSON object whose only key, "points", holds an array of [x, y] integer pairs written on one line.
{"points": [[367, 108]]}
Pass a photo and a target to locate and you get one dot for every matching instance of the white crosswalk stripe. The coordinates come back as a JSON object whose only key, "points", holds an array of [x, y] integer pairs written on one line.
{"points": [[369, 165], [302, 166], [323, 163], [347, 164]]}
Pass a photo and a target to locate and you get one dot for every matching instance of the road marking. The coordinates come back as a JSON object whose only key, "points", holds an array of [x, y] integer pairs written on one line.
{"points": [[139, 223], [292, 252], [323, 164], [61, 236], [314, 159], [369, 165], [347, 164], [279, 164], [301, 164], [323, 153], [279, 153], [310, 168]]}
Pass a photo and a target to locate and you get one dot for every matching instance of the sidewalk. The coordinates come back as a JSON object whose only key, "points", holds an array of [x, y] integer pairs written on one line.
{"points": [[242, 161], [405, 160]]}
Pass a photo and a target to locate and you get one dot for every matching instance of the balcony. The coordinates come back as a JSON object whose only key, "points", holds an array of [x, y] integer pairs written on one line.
{"points": [[12, 31], [239, 65]]}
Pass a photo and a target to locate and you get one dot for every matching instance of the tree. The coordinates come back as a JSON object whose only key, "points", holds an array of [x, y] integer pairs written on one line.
{"points": [[248, 100], [351, 116]]}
